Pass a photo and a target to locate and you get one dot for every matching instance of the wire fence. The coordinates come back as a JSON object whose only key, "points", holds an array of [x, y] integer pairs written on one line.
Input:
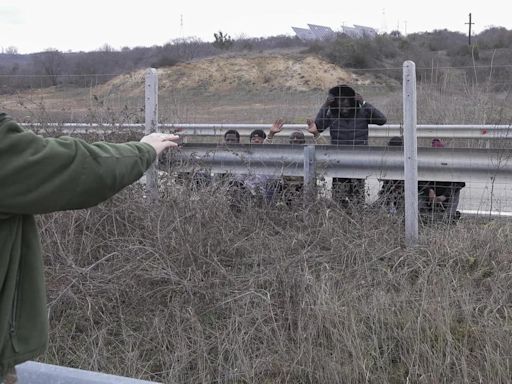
{"points": [[447, 97]]}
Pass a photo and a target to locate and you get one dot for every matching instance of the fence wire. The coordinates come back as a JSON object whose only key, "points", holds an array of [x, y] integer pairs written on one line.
{"points": [[465, 95]]}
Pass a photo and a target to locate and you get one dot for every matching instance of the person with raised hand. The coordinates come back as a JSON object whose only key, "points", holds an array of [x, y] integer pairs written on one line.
{"points": [[347, 116]]}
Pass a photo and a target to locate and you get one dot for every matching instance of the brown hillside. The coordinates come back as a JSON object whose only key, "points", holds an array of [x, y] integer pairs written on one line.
{"points": [[223, 73]]}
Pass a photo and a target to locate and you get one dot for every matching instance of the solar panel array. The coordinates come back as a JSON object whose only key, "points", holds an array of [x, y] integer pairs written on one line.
{"points": [[366, 31], [352, 32], [304, 34], [321, 32]]}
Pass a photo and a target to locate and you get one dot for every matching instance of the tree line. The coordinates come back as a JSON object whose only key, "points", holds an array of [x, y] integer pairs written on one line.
{"points": [[438, 48]]}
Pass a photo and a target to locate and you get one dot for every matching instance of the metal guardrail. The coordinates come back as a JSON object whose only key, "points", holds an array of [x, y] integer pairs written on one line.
{"points": [[487, 132], [436, 164], [38, 373]]}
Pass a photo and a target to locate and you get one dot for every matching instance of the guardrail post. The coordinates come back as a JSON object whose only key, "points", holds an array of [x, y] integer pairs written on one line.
{"points": [[309, 172], [410, 154], [151, 125]]}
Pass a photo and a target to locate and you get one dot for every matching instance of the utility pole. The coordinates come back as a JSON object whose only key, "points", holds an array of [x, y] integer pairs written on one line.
{"points": [[470, 24]]}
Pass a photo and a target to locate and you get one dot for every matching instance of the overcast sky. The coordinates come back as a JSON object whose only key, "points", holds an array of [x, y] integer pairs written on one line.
{"points": [[36, 25]]}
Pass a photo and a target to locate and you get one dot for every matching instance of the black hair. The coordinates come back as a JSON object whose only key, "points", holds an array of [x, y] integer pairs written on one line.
{"points": [[342, 91], [257, 132], [232, 132]]}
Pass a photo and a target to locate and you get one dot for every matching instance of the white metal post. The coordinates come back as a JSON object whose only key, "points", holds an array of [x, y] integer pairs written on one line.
{"points": [[151, 125], [410, 154]]}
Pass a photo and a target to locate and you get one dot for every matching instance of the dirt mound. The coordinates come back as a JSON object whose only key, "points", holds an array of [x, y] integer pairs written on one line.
{"points": [[222, 73]]}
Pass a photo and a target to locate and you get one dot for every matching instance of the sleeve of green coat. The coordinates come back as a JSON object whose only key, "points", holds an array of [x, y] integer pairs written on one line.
{"points": [[40, 175]]}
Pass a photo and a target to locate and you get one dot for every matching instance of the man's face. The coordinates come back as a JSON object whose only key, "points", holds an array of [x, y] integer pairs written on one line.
{"points": [[257, 139], [297, 139], [345, 106], [231, 138]]}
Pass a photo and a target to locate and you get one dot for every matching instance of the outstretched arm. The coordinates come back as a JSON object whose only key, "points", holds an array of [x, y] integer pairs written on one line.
{"points": [[40, 175]]}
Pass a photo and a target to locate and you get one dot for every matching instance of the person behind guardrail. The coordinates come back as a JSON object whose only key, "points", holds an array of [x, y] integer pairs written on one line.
{"points": [[232, 136], [392, 192], [292, 187], [296, 137], [347, 116], [438, 200], [257, 137], [277, 127], [41, 175], [252, 188]]}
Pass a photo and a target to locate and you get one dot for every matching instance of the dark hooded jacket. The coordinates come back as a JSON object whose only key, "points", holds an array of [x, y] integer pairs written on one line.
{"points": [[350, 128], [39, 175]]}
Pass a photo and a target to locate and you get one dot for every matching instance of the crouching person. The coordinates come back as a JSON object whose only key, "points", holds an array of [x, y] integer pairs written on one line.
{"points": [[40, 175]]}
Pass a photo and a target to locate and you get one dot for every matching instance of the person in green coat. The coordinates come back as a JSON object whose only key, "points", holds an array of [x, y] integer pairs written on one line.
{"points": [[40, 175]]}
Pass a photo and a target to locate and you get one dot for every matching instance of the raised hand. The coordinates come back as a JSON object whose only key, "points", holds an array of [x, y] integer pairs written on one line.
{"points": [[359, 99], [328, 102], [276, 127], [312, 128]]}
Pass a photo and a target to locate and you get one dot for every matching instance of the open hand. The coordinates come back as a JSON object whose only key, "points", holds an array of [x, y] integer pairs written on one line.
{"points": [[312, 128], [276, 127], [160, 141], [330, 99]]}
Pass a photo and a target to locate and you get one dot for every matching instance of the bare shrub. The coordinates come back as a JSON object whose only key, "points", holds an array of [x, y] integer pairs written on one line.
{"points": [[190, 291]]}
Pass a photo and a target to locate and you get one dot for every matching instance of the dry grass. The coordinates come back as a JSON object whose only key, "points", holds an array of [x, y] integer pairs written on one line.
{"points": [[188, 291]]}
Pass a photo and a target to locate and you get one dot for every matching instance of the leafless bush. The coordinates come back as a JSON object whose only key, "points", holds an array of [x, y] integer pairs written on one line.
{"points": [[190, 291]]}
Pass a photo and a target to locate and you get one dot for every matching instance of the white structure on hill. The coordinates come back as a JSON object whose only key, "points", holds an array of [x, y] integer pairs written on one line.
{"points": [[315, 32], [304, 34], [320, 32], [359, 31], [366, 31], [352, 32]]}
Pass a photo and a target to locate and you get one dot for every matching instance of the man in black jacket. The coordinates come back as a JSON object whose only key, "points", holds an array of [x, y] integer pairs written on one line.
{"points": [[347, 116]]}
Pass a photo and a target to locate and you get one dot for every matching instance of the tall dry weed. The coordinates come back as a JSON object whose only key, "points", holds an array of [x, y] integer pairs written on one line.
{"points": [[190, 291]]}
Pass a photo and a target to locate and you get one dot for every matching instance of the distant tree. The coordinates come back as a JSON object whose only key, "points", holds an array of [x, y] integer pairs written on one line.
{"points": [[11, 50], [188, 48], [495, 37], [222, 41], [49, 63], [395, 34], [106, 48]]}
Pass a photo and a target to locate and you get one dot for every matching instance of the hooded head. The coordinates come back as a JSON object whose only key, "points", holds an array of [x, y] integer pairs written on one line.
{"points": [[344, 103]]}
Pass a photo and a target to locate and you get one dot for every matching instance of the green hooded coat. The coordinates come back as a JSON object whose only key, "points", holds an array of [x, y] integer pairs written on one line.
{"points": [[41, 175]]}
